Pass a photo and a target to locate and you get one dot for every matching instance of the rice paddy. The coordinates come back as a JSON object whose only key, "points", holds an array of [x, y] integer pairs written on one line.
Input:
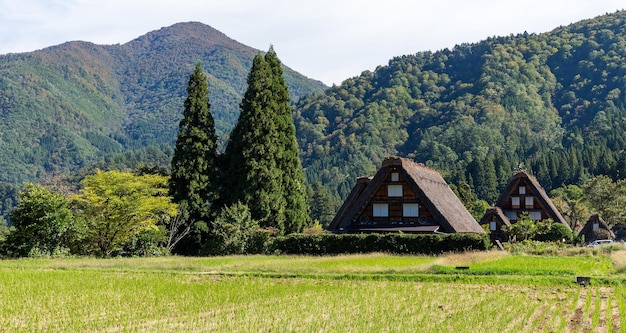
{"points": [[358, 293]]}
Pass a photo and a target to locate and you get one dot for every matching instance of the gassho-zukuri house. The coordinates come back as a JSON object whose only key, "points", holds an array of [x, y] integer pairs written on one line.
{"points": [[523, 194], [403, 196]]}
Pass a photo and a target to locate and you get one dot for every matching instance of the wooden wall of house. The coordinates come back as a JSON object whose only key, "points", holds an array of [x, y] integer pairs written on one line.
{"points": [[522, 205], [395, 205]]}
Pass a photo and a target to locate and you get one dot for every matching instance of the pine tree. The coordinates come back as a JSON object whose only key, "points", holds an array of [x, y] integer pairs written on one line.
{"points": [[194, 164], [263, 168]]}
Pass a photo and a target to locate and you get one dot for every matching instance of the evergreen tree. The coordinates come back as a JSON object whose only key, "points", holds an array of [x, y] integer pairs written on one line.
{"points": [[263, 169], [322, 204], [296, 209], [194, 164], [483, 177], [251, 175]]}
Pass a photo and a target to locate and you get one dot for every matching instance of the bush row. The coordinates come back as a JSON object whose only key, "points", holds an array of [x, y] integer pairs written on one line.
{"points": [[329, 244]]}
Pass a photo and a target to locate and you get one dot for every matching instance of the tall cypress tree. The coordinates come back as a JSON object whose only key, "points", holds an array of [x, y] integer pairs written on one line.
{"points": [[194, 165], [296, 209], [251, 174], [263, 167]]}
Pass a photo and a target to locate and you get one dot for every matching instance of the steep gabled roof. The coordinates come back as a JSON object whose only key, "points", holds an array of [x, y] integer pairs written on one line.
{"points": [[497, 213], [348, 205], [426, 183], [593, 219], [537, 189]]}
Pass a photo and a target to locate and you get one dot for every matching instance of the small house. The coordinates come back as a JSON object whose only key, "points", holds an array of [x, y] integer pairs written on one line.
{"points": [[497, 221], [596, 228], [523, 194], [403, 196]]}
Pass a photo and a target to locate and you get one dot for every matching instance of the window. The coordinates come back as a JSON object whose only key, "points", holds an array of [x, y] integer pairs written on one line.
{"points": [[410, 210], [381, 210], [492, 226], [535, 216], [511, 215], [515, 202], [529, 202], [395, 176], [596, 226], [394, 190], [522, 190]]}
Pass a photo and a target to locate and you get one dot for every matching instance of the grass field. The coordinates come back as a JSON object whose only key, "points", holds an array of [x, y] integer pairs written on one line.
{"points": [[358, 293]]}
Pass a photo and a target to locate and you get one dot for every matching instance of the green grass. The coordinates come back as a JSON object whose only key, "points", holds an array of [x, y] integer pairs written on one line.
{"points": [[360, 293], [541, 265]]}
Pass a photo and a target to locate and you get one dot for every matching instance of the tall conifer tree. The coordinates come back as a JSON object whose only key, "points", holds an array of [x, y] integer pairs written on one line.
{"points": [[263, 169], [251, 175], [194, 164], [296, 209]]}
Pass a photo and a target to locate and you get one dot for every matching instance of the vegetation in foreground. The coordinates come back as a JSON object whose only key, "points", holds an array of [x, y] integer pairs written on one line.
{"points": [[356, 293]]}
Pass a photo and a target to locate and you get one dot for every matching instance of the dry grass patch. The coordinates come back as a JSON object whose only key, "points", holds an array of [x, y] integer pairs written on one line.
{"points": [[470, 258], [619, 260]]}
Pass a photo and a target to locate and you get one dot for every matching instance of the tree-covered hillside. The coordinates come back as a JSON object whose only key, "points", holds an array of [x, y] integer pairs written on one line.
{"points": [[552, 103], [71, 105]]}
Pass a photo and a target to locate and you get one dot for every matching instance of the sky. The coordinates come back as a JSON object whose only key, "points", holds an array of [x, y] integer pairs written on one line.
{"points": [[327, 40]]}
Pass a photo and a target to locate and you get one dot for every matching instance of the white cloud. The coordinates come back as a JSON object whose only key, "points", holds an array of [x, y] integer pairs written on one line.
{"points": [[329, 40]]}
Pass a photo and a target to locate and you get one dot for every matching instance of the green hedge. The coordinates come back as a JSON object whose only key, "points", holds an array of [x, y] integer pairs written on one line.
{"points": [[329, 244]]}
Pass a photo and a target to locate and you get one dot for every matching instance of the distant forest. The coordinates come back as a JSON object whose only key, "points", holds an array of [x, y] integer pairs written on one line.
{"points": [[552, 104]]}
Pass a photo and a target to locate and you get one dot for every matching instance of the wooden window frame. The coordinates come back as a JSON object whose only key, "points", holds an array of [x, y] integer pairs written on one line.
{"points": [[380, 210], [410, 207], [395, 191], [395, 177]]}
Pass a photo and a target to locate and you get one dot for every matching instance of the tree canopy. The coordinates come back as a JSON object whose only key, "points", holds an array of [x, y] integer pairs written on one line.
{"points": [[119, 205]]}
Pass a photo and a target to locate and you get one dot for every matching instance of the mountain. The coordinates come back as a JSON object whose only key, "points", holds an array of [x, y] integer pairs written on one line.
{"points": [[551, 103], [71, 105]]}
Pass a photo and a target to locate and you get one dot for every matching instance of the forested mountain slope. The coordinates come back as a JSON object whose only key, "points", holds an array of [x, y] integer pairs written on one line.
{"points": [[550, 103], [70, 105]]}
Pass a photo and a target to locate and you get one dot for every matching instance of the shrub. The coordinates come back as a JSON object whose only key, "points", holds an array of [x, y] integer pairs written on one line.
{"points": [[557, 232], [236, 232], [330, 244]]}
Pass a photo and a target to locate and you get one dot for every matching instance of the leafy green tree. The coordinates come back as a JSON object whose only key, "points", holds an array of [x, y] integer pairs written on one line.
{"points": [[557, 232], [569, 200], [4, 233], [42, 223], [117, 206], [607, 198], [262, 169], [194, 176], [475, 206]]}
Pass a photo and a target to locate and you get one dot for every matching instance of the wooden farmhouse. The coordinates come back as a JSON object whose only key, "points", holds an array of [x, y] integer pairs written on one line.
{"points": [[496, 220], [523, 194], [591, 229], [403, 196]]}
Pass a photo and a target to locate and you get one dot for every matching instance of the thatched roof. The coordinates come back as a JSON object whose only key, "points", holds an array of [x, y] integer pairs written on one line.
{"points": [[429, 186], [538, 190], [495, 214], [587, 230]]}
